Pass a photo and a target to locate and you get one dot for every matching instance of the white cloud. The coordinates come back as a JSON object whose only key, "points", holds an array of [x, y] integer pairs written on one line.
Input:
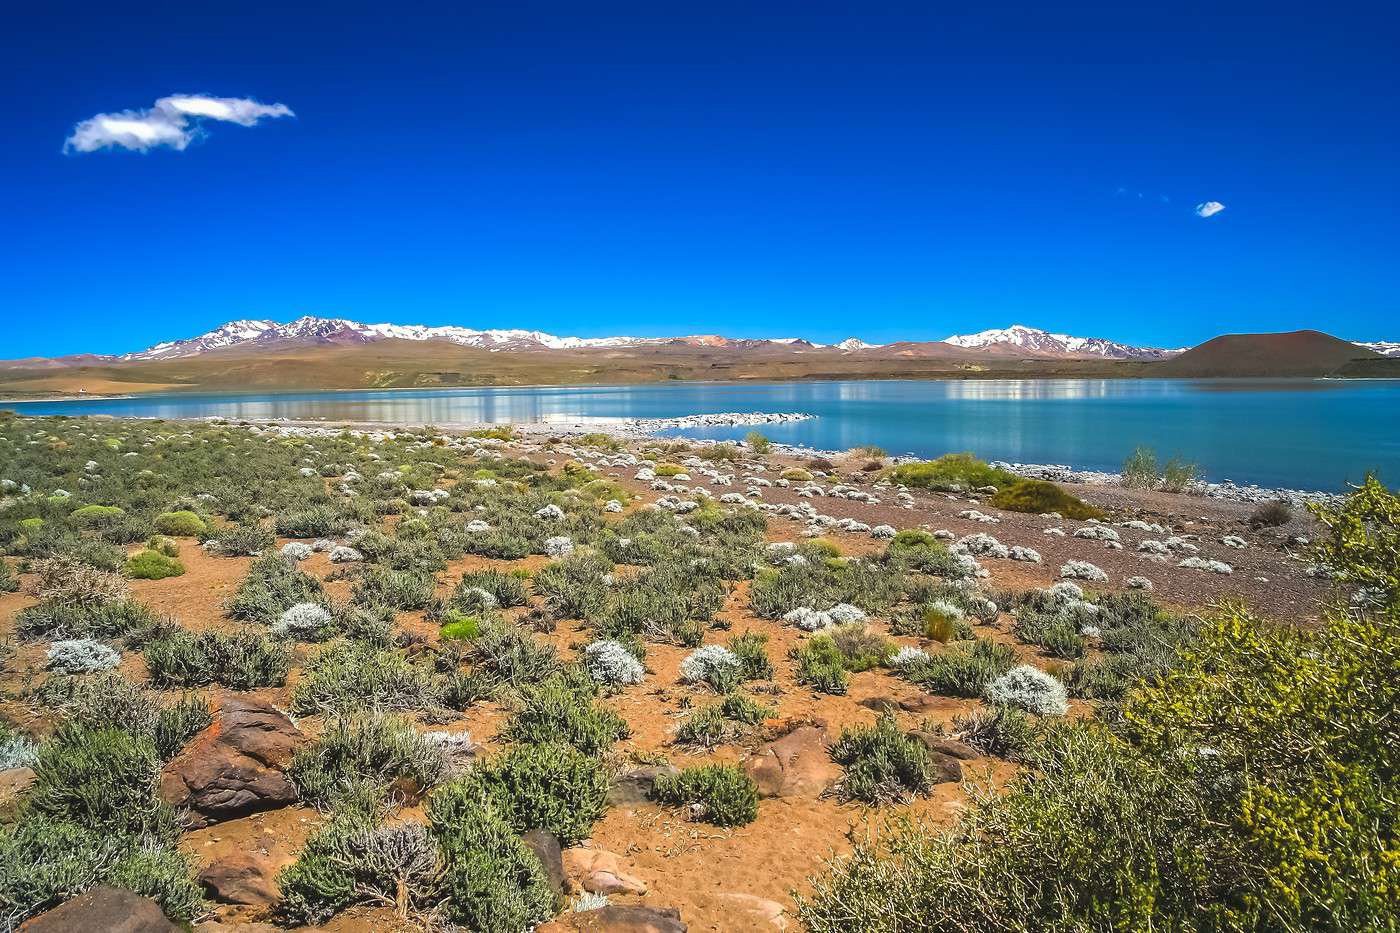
{"points": [[1209, 209], [174, 121]]}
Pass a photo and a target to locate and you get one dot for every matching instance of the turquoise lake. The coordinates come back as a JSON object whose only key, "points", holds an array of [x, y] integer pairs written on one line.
{"points": [[1306, 434]]}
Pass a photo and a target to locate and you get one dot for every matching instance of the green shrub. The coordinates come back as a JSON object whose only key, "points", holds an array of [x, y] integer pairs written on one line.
{"points": [[882, 763], [1003, 731], [951, 473], [562, 711], [104, 779], [964, 669], [181, 524], [96, 516], [757, 443], [1039, 497], [9, 580], [507, 589], [1140, 469], [551, 786], [723, 794], [358, 758], [861, 647], [240, 540], [751, 648], [491, 882], [110, 620], [458, 626], [272, 586], [152, 565], [1271, 514], [317, 521], [395, 589], [110, 701], [352, 677], [238, 660], [821, 666], [44, 861], [504, 655]]}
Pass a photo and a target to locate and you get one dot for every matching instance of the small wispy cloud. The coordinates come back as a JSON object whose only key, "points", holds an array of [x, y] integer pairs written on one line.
{"points": [[1209, 208], [174, 121]]}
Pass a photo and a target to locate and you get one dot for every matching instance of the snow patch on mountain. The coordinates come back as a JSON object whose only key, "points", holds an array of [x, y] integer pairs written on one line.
{"points": [[1383, 347], [1033, 341]]}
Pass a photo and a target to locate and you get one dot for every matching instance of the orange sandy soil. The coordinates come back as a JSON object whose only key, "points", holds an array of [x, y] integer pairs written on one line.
{"points": [[689, 865]]}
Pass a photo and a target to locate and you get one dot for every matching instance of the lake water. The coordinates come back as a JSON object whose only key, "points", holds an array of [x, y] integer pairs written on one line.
{"points": [[1308, 434]]}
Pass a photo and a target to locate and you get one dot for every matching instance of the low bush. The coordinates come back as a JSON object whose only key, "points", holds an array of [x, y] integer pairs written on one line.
{"points": [[46, 860], [238, 660], [356, 759], [751, 648], [1271, 514], [152, 565], [561, 710], [67, 581], [317, 521], [1003, 731], [180, 524], [964, 669], [110, 620], [611, 664], [353, 677], [506, 589], [104, 779], [1039, 497], [721, 794], [456, 625], [757, 443], [271, 587], [240, 540], [951, 473], [491, 882], [349, 860], [81, 656], [821, 666], [395, 589], [96, 516], [506, 656], [882, 763], [552, 786]]}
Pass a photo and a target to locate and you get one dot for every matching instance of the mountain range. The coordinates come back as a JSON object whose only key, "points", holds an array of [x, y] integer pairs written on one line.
{"points": [[1014, 341], [314, 353]]}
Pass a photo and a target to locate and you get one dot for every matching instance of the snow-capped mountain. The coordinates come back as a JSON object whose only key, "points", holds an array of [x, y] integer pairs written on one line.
{"points": [[309, 329], [1383, 347], [1032, 341], [855, 343]]}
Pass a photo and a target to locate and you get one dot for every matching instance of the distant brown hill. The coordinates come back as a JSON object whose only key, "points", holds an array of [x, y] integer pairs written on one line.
{"points": [[1296, 353]]}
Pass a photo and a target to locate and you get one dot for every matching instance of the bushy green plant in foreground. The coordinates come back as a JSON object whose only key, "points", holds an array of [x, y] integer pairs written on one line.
{"points": [[152, 565], [1250, 787], [882, 763], [240, 660], [951, 472], [551, 786], [1039, 497], [724, 794]]}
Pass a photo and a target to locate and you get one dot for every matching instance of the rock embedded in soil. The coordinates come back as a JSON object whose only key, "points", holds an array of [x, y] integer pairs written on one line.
{"points": [[759, 909], [617, 919], [796, 765], [545, 845], [241, 879], [599, 872], [109, 910], [950, 748], [633, 788], [234, 767]]}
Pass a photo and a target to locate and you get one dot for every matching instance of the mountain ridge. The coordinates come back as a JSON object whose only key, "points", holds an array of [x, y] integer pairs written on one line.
{"points": [[251, 333]]}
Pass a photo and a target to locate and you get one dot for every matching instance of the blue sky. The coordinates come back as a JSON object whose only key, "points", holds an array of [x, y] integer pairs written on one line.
{"points": [[813, 169]]}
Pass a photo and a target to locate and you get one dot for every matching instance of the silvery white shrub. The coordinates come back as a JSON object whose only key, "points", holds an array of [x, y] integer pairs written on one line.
{"points": [[981, 545], [81, 656], [477, 599], [296, 550], [558, 546], [608, 662], [843, 613], [1097, 532], [906, 658], [322, 545], [304, 620], [1177, 543], [550, 513], [947, 610], [1054, 532], [341, 554], [1234, 541], [307, 471], [1082, 570], [976, 516], [612, 506], [807, 619], [17, 751], [1150, 546], [1029, 555], [476, 526], [1030, 689], [707, 660], [1138, 583], [1209, 566]]}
